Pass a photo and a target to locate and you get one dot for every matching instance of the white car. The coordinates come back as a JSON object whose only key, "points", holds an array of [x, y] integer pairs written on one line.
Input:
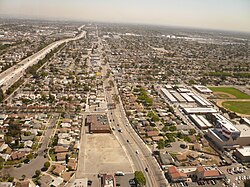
{"points": [[137, 152]]}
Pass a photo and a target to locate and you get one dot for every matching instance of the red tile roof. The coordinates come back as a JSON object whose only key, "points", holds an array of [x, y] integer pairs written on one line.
{"points": [[172, 169], [211, 173], [200, 169]]}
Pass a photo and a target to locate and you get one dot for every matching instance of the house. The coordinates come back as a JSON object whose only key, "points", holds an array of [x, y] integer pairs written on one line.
{"points": [[152, 133], [45, 180], [157, 138], [60, 149], [6, 184], [175, 175], [66, 176], [17, 155], [72, 165], [59, 169], [23, 184], [28, 143], [61, 156]]}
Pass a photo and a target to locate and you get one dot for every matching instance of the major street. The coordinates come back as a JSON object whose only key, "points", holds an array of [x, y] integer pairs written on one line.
{"points": [[137, 150]]}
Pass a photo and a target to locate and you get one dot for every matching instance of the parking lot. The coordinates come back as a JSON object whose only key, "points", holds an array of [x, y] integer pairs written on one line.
{"points": [[105, 154], [125, 181], [207, 183], [236, 175]]}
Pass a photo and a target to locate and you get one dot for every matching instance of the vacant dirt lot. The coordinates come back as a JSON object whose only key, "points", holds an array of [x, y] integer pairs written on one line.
{"points": [[104, 154]]}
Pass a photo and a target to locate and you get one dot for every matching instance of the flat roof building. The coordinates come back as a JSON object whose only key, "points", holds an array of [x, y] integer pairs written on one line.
{"points": [[198, 110], [243, 153], [168, 95], [202, 89], [200, 121], [98, 124], [242, 137]]}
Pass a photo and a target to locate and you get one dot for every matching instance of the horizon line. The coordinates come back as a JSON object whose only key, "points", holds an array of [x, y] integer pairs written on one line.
{"points": [[7, 16]]}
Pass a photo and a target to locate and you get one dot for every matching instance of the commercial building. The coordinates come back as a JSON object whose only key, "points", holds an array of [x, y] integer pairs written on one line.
{"points": [[98, 124], [243, 153], [228, 135], [175, 175], [193, 174]]}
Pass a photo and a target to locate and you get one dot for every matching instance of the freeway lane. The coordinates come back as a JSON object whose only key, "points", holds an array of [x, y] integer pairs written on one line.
{"points": [[11, 75]]}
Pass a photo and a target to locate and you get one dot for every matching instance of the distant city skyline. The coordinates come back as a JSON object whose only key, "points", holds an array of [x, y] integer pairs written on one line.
{"points": [[212, 14]]}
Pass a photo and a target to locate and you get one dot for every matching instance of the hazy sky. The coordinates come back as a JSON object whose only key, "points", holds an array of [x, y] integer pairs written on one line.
{"points": [[215, 14]]}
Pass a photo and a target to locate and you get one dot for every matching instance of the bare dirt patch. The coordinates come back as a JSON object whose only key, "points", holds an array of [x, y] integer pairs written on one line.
{"points": [[105, 154]]}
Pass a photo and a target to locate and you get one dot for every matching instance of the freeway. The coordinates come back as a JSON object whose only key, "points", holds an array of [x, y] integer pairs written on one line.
{"points": [[11, 75]]}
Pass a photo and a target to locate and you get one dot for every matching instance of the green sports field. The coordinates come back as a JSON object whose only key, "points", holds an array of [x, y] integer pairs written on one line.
{"points": [[230, 90], [241, 107]]}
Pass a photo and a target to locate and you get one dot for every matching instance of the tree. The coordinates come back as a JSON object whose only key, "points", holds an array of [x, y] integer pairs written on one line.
{"points": [[23, 176], [172, 128], [247, 183], [67, 159], [192, 131], [140, 178], [1, 95], [38, 173], [46, 165], [161, 144]]}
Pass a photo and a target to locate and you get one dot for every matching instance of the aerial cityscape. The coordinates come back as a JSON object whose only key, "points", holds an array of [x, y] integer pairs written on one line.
{"points": [[93, 101]]}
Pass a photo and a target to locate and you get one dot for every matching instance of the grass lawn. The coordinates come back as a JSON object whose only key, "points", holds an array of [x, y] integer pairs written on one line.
{"points": [[233, 91], [241, 107]]}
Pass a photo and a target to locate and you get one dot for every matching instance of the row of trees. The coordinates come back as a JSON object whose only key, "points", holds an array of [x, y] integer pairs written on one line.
{"points": [[33, 69], [228, 74], [14, 86]]}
